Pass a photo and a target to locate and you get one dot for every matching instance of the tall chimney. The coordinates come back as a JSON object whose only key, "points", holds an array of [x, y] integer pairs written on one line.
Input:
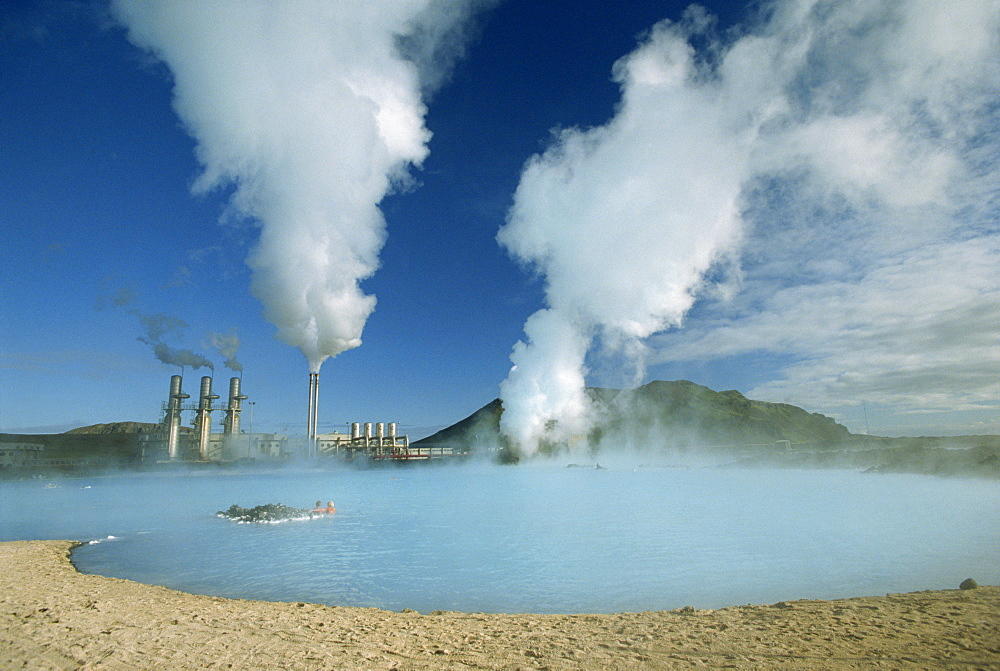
{"points": [[231, 425], [174, 404], [312, 421], [204, 418]]}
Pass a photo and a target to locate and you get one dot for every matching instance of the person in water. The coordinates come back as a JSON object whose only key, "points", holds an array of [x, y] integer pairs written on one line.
{"points": [[320, 509]]}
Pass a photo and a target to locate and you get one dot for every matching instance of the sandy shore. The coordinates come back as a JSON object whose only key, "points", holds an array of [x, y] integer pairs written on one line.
{"points": [[53, 617]]}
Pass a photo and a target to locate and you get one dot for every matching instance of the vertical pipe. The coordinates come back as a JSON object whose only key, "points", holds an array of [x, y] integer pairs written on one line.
{"points": [[309, 417], [174, 404], [205, 398], [315, 424], [232, 423], [312, 421]]}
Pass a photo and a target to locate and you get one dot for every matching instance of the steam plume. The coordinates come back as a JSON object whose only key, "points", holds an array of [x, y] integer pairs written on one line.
{"points": [[180, 357], [159, 325], [228, 345], [310, 110], [849, 115]]}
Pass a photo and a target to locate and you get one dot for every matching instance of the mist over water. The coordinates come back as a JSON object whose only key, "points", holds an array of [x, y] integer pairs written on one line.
{"points": [[535, 538]]}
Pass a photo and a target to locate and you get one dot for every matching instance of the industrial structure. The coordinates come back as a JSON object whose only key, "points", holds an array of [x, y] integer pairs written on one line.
{"points": [[173, 442], [379, 442], [313, 417]]}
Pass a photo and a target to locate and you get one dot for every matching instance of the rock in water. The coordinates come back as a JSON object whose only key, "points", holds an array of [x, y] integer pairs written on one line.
{"points": [[968, 583], [269, 512]]}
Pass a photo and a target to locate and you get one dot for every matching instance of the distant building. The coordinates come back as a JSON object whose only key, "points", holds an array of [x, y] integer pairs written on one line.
{"points": [[20, 455]]}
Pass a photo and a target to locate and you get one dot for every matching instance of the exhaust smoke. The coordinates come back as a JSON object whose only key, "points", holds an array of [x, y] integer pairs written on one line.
{"points": [[227, 345], [312, 111]]}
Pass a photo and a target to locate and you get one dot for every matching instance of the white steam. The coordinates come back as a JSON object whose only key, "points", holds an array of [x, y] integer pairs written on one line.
{"points": [[831, 138], [311, 112], [623, 221]]}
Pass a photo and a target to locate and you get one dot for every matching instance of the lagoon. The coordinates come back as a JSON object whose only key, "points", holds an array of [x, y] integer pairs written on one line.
{"points": [[537, 537]]}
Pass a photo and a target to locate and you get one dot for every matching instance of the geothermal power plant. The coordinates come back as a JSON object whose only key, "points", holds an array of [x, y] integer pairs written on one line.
{"points": [[174, 442]]}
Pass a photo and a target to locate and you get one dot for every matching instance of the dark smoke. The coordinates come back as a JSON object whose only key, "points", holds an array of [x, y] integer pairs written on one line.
{"points": [[159, 325], [180, 357], [227, 344]]}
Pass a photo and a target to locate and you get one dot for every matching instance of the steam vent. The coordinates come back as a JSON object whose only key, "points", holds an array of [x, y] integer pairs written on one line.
{"points": [[175, 442]]}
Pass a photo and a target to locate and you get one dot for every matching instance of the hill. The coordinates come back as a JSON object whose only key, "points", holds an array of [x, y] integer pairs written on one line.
{"points": [[115, 427], [679, 414], [686, 423], [685, 413]]}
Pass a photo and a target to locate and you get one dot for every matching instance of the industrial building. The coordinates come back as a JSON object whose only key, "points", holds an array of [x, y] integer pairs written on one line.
{"points": [[379, 442], [174, 442]]}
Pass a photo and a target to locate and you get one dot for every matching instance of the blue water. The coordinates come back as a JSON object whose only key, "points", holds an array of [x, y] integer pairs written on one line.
{"points": [[525, 538]]}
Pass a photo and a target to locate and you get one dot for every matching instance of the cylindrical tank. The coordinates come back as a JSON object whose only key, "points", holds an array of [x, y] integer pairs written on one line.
{"points": [[174, 415], [368, 429], [232, 422], [204, 421], [175, 386], [355, 430], [206, 389], [392, 429], [380, 430]]}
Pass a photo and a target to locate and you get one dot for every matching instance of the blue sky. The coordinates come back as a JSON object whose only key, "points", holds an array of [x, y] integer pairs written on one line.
{"points": [[831, 237]]}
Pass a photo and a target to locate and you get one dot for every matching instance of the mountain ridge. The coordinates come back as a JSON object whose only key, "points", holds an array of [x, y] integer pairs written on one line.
{"points": [[681, 412]]}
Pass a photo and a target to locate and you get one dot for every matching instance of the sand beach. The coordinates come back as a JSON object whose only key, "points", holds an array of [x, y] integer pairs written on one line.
{"points": [[53, 617]]}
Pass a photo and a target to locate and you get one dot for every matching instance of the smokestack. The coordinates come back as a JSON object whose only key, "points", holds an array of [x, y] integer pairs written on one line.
{"points": [[174, 415], [204, 420], [231, 426], [312, 422]]}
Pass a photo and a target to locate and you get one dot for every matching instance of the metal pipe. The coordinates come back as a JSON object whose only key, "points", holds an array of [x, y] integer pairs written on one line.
{"points": [[312, 422], [173, 418], [231, 425], [204, 417]]}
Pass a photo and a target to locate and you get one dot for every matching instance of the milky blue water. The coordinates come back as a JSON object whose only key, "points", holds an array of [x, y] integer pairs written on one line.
{"points": [[525, 538]]}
